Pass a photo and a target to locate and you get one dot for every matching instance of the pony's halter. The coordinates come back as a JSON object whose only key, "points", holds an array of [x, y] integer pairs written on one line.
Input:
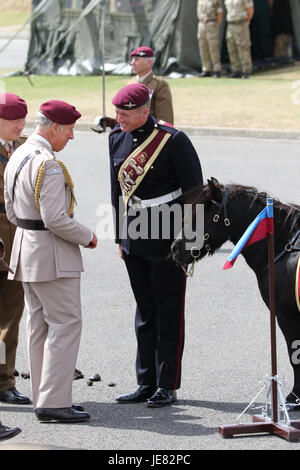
{"points": [[206, 236], [221, 205]]}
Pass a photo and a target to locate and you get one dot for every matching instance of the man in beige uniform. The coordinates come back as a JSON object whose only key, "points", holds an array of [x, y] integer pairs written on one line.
{"points": [[239, 15], [161, 107], [46, 258], [210, 14], [13, 111]]}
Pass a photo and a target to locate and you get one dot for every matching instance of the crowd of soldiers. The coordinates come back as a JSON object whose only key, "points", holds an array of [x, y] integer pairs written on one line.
{"points": [[245, 19]]}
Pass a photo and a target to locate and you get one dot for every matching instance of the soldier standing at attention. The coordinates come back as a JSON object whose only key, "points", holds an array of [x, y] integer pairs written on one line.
{"points": [[239, 15], [13, 111], [142, 61], [210, 14], [39, 199]]}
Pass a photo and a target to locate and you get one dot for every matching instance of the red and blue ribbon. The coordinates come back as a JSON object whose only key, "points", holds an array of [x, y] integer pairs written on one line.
{"points": [[260, 228]]}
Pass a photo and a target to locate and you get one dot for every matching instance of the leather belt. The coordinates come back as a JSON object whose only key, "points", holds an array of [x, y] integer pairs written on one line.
{"points": [[208, 21], [31, 224], [138, 203], [2, 208], [237, 22]]}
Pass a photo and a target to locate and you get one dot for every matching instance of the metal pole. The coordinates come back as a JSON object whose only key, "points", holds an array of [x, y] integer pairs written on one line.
{"points": [[273, 324], [103, 62]]}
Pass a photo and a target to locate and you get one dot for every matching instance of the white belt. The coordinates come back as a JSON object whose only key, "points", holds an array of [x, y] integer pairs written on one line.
{"points": [[138, 203]]}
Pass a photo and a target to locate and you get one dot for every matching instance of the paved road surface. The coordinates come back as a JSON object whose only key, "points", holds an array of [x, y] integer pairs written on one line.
{"points": [[14, 55], [227, 350]]}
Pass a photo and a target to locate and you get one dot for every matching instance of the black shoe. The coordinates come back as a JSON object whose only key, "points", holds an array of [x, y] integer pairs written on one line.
{"points": [[61, 415], [11, 395], [142, 393], [292, 401], [162, 397], [235, 75], [7, 433], [77, 407], [245, 75], [205, 74], [217, 75]]}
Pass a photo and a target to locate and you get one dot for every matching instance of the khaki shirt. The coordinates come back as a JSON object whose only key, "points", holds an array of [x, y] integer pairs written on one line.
{"points": [[7, 229], [42, 255], [161, 100], [237, 9], [207, 10]]}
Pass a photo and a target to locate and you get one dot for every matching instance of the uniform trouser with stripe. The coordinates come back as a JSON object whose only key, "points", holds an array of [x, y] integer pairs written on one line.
{"points": [[159, 290], [11, 310], [53, 337]]}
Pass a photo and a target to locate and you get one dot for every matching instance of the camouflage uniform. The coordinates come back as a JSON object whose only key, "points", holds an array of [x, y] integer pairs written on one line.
{"points": [[161, 106], [208, 34], [238, 35]]}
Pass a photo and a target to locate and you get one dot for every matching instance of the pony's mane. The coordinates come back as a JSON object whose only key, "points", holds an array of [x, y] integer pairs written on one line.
{"points": [[290, 213]]}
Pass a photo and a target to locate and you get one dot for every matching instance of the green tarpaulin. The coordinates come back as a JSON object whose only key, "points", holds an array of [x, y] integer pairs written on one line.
{"points": [[67, 35]]}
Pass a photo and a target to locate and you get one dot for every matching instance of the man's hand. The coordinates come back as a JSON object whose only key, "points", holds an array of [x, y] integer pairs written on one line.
{"points": [[93, 242], [121, 252]]}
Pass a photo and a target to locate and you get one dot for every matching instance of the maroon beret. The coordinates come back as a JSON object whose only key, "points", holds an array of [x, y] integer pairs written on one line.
{"points": [[142, 52], [131, 96], [12, 107], [60, 112]]}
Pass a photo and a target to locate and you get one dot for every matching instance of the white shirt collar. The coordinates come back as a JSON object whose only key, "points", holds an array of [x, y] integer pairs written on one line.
{"points": [[3, 142], [43, 140]]}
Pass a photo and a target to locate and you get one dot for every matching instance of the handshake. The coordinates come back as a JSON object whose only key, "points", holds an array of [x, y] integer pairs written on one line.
{"points": [[102, 122]]}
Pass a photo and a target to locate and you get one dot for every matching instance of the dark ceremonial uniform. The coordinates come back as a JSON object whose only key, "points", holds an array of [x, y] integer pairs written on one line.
{"points": [[158, 285]]}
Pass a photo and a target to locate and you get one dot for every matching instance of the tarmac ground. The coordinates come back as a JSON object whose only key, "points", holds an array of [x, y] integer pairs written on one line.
{"points": [[227, 342]]}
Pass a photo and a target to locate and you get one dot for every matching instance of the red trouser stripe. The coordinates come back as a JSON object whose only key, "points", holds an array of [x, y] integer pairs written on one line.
{"points": [[181, 336]]}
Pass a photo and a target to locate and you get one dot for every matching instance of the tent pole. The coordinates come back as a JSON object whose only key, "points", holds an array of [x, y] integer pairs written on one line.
{"points": [[103, 61]]}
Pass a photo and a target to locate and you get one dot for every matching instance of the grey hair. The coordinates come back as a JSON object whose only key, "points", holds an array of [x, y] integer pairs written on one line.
{"points": [[147, 104], [42, 120]]}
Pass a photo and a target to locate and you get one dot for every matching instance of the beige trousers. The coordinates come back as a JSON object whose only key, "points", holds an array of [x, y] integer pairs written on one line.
{"points": [[53, 337]]}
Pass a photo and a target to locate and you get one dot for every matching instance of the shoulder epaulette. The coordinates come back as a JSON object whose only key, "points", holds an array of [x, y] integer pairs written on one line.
{"points": [[166, 126], [158, 78], [117, 128]]}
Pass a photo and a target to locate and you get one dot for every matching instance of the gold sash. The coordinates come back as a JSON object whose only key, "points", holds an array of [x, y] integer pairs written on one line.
{"points": [[139, 162]]}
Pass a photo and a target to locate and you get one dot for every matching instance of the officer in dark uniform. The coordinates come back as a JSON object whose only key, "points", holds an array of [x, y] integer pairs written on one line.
{"points": [[151, 166]]}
